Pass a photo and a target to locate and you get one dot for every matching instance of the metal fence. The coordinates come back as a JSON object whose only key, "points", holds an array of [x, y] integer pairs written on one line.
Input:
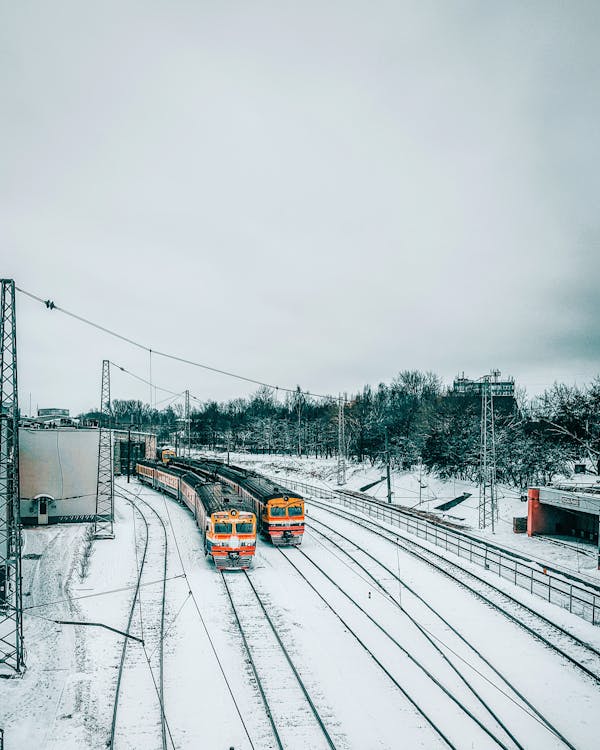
{"points": [[303, 488], [534, 578]]}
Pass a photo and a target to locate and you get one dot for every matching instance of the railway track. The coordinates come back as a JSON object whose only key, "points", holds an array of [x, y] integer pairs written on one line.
{"points": [[575, 651], [416, 681], [471, 662], [294, 718], [140, 506], [458, 536]]}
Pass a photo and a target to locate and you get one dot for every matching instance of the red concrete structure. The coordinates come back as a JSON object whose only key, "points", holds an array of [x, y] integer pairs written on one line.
{"points": [[565, 510]]}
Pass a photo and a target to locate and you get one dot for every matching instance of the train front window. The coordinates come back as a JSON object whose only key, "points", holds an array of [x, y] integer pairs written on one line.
{"points": [[244, 528], [277, 510], [295, 510], [223, 528]]}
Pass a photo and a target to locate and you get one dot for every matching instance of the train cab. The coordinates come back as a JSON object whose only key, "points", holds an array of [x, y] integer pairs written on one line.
{"points": [[230, 538], [283, 520], [165, 455]]}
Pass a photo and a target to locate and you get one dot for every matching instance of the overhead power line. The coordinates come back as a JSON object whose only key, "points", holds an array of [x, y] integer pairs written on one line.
{"points": [[143, 380], [175, 394], [51, 305]]}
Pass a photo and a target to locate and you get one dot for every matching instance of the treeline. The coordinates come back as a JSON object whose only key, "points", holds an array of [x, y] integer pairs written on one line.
{"points": [[418, 419]]}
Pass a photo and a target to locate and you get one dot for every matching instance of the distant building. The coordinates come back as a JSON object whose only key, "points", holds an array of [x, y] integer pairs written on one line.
{"points": [[52, 413], [50, 418], [503, 391], [465, 386]]}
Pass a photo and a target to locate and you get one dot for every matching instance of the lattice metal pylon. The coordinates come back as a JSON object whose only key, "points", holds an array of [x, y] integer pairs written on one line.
{"points": [[487, 456], [187, 422], [11, 604], [341, 466], [105, 498]]}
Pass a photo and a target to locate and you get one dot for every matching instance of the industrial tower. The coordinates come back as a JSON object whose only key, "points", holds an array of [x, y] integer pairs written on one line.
{"points": [[105, 502], [341, 467], [187, 422], [11, 604], [488, 506]]}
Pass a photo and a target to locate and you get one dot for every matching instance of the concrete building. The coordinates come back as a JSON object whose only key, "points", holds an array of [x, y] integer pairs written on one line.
{"points": [[565, 510], [58, 473], [58, 467]]}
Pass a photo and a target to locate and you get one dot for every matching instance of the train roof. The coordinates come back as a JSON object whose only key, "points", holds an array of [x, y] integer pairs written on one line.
{"points": [[214, 496], [158, 465], [259, 486]]}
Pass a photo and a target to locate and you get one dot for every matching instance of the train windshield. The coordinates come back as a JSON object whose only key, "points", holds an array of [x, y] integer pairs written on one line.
{"points": [[223, 528], [244, 528], [276, 510], [295, 510]]}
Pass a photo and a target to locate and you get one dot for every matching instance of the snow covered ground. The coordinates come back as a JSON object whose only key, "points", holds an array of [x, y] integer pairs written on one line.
{"points": [[366, 697]]}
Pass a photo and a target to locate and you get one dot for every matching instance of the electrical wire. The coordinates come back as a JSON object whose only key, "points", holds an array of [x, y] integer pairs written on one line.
{"points": [[156, 387], [143, 380], [51, 305], [99, 593]]}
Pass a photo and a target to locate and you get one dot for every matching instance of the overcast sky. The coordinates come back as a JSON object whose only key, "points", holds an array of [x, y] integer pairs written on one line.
{"points": [[315, 193]]}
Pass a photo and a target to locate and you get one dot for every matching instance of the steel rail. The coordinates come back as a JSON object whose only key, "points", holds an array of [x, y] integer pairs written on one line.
{"points": [[426, 635], [346, 625], [586, 584], [540, 717], [421, 552], [161, 684], [291, 664], [113, 726], [253, 665], [409, 655]]}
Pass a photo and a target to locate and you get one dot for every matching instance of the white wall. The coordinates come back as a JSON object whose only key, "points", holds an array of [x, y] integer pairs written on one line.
{"points": [[62, 463]]}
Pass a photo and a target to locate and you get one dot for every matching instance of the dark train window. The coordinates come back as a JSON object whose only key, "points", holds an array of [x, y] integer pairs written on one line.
{"points": [[223, 528], [295, 510], [243, 528], [275, 511]]}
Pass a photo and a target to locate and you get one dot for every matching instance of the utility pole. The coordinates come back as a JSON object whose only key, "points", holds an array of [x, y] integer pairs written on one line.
{"points": [[105, 500], [187, 421], [299, 405], [11, 602], [128, 453], [488, 511], [150, 379], [341, 467], [388, 475]]}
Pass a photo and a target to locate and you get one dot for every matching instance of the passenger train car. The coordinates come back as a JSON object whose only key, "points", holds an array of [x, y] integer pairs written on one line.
{"points": [[228, 529], [279, 511]]}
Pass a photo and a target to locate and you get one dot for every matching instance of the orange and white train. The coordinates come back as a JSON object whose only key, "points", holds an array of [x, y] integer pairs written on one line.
{"points": [[279, 511], [228, 528]]}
